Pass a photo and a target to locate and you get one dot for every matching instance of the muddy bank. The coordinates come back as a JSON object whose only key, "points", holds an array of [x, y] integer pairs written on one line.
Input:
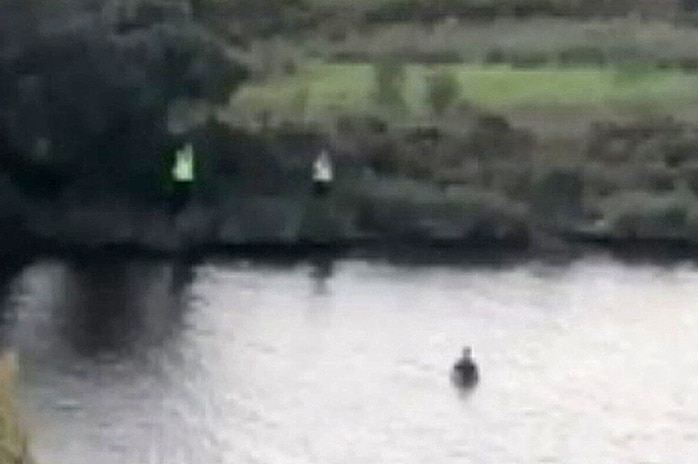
{"points": [[270, 221], [13, 437]]}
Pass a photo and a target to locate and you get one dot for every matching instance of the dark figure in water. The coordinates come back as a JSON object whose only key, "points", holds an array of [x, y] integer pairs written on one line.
{"points": [[465, 373]]}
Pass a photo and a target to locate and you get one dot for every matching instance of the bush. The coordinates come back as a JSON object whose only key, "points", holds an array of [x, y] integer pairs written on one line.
{"points": [[647, 215], [427, 57], [443, 89], [382, 155], [680, 152], [350, 124], [557, 196], [692, 223], [389, 82], [665, 64], [650, 151], [290, 67], [655, 178], [349, 56], [401, 207], [689, 65], [601, 180], [512, 179], [527, 60], [590, 56], [390, 11], [337, 34], [689, 174], [417, 165], [495, 56]]}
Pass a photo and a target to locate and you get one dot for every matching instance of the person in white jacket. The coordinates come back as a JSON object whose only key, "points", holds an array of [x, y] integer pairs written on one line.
{"points": [[323, 173]]}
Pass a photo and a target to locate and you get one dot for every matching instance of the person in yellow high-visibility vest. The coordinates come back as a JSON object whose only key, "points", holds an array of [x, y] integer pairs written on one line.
{"points": [[183, 175]]}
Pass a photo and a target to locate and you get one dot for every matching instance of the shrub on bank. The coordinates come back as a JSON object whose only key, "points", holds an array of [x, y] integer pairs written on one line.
{"points": [[512, 179], [692, 223], [688, 65], [350, 57], [601, 181], [443, 89], [582, 56], [399, 207], [648, 215], [681, 151], [521, 59], [665, 64], [352, 124], [556, 196], [382, 155], [300, 101], [432, 57], [389, 77], [689, 174], [405, 10], [495, 56], [528, 60], [656, 178]]}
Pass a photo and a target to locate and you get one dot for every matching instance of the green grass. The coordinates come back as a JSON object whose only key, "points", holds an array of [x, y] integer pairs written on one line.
{"points": [[350, 87]]}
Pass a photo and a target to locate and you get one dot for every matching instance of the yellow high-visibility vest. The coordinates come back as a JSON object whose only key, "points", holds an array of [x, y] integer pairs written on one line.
{"points": [[183, 170]]}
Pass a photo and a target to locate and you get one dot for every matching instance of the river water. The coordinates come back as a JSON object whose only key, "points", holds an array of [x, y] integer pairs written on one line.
{"points": [[347, 361]]}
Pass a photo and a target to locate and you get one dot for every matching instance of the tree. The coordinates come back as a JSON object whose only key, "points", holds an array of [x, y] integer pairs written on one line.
{"points": [[98, 97]]}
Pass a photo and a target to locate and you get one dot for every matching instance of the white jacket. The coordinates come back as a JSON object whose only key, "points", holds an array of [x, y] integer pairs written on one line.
{"points": [[322, 168]]}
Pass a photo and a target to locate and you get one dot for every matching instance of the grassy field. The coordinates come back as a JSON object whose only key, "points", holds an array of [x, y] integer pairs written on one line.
{"points": [[472, 41], [350, 88]]}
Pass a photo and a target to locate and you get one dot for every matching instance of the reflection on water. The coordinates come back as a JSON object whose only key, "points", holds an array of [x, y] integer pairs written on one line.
{"points": [[115, 307], [319, 360], [321, 272], [9, 270], [100, 308]]}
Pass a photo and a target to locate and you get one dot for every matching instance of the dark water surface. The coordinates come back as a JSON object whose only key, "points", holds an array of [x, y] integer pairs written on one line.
{"points": [[233, 361]]}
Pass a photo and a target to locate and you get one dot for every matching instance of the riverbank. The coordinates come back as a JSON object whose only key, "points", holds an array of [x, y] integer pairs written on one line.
{"points": [[481, 153], [488, 184], [533, 244]]}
